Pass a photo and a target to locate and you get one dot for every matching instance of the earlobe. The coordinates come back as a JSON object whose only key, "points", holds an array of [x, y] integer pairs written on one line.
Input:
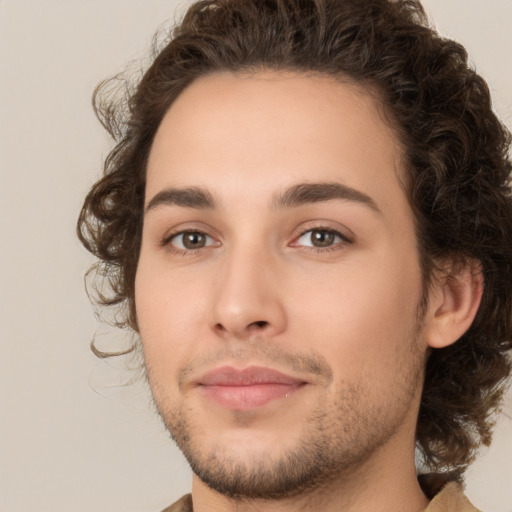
{"points": [[455, 300]]}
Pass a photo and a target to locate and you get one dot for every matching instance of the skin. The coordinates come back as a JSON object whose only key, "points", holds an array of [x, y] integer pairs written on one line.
{"points": [[257, 290]]}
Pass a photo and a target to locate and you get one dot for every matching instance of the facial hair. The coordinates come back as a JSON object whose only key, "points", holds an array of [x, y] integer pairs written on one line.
{"points": [[337, 437]]}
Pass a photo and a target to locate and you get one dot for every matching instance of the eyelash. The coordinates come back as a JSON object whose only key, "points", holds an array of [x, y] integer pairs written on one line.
{"points": [[167, 241], [322, 250]]}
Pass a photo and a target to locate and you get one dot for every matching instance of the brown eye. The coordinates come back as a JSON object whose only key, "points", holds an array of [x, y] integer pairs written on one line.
{"points": [[320, 238], [190, 240]]}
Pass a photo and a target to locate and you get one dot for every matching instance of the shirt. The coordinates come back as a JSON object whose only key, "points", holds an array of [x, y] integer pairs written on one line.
{"points": [[449, 499]]}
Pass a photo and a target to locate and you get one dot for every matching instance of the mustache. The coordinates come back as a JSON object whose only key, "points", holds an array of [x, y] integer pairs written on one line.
{"points": [[262, 352]]}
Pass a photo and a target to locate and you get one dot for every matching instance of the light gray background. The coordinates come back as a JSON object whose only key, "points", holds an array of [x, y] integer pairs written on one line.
{"points": [[71, 440]]}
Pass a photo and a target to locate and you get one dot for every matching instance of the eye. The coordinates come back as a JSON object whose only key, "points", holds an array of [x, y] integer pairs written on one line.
{"points": [[320, 238], [191, 240]]}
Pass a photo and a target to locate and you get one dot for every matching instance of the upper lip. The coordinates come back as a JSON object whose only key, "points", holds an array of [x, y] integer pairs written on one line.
{"points": [[230, 376]]}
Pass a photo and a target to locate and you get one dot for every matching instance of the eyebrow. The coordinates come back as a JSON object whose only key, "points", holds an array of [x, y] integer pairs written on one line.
{"points": [[189, 197], [297, 195], [304, 193]]}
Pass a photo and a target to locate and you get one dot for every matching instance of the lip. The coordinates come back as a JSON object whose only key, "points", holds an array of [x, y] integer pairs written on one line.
{"points": [[247, 388]]}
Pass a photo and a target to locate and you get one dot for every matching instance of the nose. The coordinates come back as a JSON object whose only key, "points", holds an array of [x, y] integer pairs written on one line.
{"points": [[248, 298]]}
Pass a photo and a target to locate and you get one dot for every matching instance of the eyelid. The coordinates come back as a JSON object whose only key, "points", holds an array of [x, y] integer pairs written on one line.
{"points": [[343, 232], [186, 232], [182, 229]]}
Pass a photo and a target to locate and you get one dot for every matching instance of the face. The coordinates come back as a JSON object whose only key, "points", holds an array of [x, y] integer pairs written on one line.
{"points": [[278, 285]]}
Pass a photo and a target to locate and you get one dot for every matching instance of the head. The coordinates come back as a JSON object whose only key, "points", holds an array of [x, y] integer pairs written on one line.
{"points": [[427, 118]]}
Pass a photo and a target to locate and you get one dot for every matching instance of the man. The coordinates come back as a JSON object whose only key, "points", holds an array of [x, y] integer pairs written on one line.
{"points": [[308, 220]]}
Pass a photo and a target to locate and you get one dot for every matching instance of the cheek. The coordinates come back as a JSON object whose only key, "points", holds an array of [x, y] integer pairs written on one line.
{"points": [[361, 318], [169, 313]]}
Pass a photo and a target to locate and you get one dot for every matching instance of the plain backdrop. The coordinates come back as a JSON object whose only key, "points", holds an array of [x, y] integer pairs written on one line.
{"points": [[72, 437]]}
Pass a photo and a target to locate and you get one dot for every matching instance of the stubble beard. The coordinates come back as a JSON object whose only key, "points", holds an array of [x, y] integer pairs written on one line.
{"points": [[337, 439], [333, 446]]}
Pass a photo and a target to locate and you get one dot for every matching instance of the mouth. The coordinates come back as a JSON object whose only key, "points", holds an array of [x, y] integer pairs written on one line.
{"points": [[248, 388]]}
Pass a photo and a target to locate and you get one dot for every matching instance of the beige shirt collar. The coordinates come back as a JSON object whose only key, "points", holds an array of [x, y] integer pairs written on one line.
{"points": [[450, 499]]}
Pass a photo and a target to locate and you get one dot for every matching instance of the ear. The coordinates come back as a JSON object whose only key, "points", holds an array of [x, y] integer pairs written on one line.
{"points": [[454, 300]]}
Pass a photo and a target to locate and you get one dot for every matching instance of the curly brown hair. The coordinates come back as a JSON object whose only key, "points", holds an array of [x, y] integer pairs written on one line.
{"points": [[457, 179]]}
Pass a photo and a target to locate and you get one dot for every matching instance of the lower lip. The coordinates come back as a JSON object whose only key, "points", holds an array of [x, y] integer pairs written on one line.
{"points": [[244, 398]]}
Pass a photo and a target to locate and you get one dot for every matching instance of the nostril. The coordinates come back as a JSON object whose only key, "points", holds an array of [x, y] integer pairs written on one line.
{"points": [[260, 324], [220, 327]]}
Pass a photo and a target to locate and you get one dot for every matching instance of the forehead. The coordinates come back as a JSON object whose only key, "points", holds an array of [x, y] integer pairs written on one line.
{"points": [[274, 128]]}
